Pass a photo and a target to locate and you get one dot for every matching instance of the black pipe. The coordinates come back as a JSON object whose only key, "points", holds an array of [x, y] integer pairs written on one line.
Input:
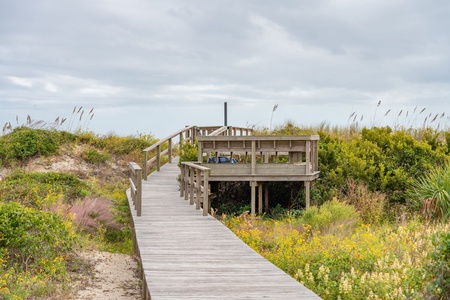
{"points": [[225, 114]]}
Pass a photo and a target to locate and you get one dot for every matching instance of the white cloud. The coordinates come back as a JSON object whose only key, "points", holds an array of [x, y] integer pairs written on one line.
{"points": [[25, 82], [51, 88]]}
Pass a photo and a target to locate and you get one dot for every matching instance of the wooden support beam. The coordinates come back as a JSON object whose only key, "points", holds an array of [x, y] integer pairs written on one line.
{"points": [[206, 203], [308, 157], [158, 158], [182, 186], [253, 199], [260, 198], [266, 197], [253, 157], [170, 151], [198, 188], [186, 183], [307, 188], [191, 186]]}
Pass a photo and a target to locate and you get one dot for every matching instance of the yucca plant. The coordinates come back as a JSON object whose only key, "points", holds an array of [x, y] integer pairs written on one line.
{"points": [[434, 185]]}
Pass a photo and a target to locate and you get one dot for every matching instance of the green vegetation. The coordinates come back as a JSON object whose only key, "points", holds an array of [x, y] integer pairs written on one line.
{"points": [[59, 192], [434, 185], [42, 190], [370, 235], [23, 143], [373, 233], [34, 249], [367, 262]]}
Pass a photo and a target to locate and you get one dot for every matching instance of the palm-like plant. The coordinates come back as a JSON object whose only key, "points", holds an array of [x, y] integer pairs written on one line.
{"points": [[434, 185]]}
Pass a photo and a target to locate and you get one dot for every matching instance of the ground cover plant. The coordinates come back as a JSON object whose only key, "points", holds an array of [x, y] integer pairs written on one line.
{"points": [[345, 260], [60, 191]]}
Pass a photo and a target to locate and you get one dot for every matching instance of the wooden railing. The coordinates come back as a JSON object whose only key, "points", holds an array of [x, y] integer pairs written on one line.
{"points": [[231, 131], [196, 180], [186, 133], [136, 186], [194, 185], [190, 132]]}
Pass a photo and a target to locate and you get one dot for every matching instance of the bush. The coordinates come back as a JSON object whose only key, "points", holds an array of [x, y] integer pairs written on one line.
{"points": [[41, 190], [384, 160], [24, 142], [188, 152], [439, 267], [94, 157], [370, 205], [330, 214], [33, 249]]}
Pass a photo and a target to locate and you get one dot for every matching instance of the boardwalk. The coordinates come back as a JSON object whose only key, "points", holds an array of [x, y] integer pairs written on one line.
{"points": [[188, 256]]}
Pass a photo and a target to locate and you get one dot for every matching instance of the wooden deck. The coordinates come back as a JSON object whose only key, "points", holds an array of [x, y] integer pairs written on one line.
{"points": [[186, 255]]}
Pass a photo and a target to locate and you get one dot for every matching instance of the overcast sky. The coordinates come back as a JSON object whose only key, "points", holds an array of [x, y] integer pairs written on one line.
{"points": [[155, 66]]}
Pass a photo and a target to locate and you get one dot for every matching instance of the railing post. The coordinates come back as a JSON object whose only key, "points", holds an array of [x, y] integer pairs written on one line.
{"points": [[308, 157], [180, 144], [139, 192], [191, 186], [158, 158], [199, 189], [253, 157], [205, 192], [169, 152], [186, 183], [194, 135], [200, 151], [182, 180], [145, 165]]}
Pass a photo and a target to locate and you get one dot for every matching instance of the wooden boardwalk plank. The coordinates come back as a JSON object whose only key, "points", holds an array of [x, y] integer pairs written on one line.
{"points": [[185, 255]]}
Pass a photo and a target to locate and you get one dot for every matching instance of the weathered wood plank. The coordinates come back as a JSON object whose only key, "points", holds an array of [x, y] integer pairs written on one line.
{"points": [[186, 255]]}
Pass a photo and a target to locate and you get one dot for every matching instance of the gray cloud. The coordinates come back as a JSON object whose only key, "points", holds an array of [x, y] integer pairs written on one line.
{"points": [[157, 65]]}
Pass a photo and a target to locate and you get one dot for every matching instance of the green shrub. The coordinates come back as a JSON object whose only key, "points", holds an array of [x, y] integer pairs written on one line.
{"points": [[188, 152], [35, 246], [384, 160], [24, 142], [439, 268], [331, 213], [94, 157], [370, 205], [40, 190]]}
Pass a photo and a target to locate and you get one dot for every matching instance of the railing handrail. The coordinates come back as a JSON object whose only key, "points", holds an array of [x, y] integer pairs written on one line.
{"points": [[135, 180], [219, 131], [164, 140], [259, 138], [171, 146], [195, 165]]}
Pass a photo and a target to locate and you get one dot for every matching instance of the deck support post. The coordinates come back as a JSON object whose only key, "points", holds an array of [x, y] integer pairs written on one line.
{"points": [[253, 195], [260, 198], [266, 197], [307, 188]]}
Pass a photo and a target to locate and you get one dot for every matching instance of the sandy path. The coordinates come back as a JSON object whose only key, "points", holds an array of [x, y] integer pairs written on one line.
{"points": [[114, 277]]}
